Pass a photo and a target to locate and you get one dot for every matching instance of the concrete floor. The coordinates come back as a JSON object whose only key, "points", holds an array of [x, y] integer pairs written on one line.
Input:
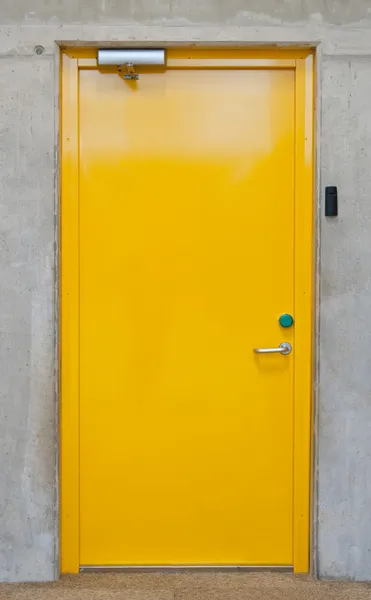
{"points": [[186, 586]]}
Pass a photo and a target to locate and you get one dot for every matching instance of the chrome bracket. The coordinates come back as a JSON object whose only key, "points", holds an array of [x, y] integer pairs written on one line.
{"points": [[129, 70]]}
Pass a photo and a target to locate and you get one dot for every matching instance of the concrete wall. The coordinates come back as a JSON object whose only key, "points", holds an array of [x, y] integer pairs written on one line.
{"points": [[344, 411], [28, 310]]}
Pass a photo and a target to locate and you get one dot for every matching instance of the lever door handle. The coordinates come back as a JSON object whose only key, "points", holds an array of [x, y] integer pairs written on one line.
{"points": [[284, 348]]}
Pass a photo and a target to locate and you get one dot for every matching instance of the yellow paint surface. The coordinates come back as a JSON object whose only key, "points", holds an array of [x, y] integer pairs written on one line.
{"points": [[186, 254]]}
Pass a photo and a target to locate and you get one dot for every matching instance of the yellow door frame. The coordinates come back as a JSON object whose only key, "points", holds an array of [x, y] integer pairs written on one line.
{"points": [[302, 63]]}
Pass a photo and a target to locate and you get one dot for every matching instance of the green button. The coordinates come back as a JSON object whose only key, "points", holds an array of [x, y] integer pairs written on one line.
{"points": [[286, 320]]}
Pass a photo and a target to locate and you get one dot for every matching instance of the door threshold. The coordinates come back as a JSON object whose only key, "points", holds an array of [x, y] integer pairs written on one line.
{"points": [[183, 568]]}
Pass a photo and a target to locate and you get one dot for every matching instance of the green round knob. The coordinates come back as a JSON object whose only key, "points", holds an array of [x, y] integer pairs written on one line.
{"points": [[286, 320]]}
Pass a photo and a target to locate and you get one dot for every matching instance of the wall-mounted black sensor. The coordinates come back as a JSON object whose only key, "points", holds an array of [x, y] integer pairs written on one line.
{"points": [[331, 201]]}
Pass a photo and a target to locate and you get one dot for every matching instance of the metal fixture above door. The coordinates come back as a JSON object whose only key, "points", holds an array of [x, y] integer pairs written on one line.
{"points": [[127, 59]]}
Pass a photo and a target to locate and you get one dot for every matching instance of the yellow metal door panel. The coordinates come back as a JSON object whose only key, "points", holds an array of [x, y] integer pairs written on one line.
{"points": [[186, 254]]}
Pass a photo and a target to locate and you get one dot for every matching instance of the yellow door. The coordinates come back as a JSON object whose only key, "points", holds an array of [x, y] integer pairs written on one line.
{"points": [[186, 262]]}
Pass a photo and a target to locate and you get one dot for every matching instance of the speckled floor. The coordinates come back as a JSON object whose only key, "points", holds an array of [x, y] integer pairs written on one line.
{"points": [[186, 586]]}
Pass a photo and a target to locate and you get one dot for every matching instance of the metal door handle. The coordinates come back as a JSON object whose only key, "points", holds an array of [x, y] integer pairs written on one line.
{"points": [[284, 348]]}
